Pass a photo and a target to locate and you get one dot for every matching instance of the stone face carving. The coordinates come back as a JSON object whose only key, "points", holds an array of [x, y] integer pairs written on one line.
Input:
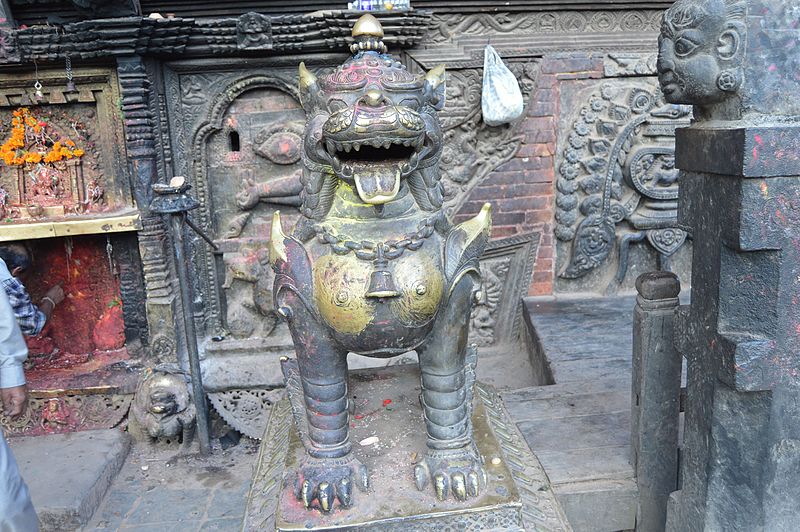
{"points": [[617, 179], [374, 267], [739, 195], [162, 409], [254, 32], [700, 50]]}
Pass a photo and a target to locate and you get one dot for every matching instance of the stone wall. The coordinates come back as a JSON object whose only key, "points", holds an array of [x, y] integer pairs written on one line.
{"points": [[602, 194], [522, 190]]}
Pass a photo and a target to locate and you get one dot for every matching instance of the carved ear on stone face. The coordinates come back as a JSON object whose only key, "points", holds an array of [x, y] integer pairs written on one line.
{"points": [[435, 86], [730, 42], [309, 90]]}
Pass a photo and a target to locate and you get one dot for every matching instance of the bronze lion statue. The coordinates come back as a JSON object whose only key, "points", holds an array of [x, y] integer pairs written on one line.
{"points": [[375, 267]]}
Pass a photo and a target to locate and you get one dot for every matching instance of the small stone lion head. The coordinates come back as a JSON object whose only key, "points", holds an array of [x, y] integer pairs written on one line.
{"points": [[162, 407]]}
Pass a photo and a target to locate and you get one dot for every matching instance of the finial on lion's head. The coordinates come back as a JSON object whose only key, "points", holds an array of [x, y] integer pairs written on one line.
{"points": [[368, 32]]}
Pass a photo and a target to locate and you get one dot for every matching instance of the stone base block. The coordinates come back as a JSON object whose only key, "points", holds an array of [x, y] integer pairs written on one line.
{"points": [[387, 406]]}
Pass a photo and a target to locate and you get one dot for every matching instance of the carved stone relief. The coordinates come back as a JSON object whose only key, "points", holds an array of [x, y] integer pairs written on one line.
{"points": [[506, 266], [254, 32], [245, 130], [460, 37], [617, 181], [618, 64], [55, 163], [68, 413], [451, 26], [484, 314], [471, 148]]}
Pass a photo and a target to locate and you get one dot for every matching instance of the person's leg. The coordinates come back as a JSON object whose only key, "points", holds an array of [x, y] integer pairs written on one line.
{"points": [[16, 509]]}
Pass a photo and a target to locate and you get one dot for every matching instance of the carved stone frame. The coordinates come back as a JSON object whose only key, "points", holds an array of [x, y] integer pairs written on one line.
{"points": [[191, 131]]}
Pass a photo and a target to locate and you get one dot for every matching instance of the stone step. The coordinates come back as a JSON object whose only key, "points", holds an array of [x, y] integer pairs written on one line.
{"points": [[68, 474], [580, 431]]}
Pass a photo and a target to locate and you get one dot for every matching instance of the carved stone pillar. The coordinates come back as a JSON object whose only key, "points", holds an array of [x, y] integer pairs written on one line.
{"points": [[140, 142], [740, 195], [655, 405]]}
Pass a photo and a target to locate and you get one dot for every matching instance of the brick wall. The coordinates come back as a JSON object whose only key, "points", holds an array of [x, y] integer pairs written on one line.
{"points": [[522, 190]]}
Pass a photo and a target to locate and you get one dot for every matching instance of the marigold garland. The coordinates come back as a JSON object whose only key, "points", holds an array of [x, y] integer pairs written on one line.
{"points": [[14, 152]]}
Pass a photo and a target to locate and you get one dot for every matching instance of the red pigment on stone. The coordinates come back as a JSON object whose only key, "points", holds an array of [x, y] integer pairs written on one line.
{"points": [[90, 317]]}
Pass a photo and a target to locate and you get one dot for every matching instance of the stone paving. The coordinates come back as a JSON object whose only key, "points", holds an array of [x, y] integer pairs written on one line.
{"points": [[157, 490]]}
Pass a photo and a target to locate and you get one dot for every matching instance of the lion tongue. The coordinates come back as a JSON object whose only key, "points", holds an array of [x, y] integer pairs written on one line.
{"points": [[377, 184]]}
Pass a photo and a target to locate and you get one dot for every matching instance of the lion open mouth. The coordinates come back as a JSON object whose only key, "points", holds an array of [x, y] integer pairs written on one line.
{"points": [[375, 165]]}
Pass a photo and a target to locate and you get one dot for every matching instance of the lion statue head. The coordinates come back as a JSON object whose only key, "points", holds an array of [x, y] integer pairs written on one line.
{"points": [[372, 125]]}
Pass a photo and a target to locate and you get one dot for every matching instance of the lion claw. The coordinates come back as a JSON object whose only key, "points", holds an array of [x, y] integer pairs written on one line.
{"points": [[421, 475], [320, 483], [459, 484], [456, 471]]}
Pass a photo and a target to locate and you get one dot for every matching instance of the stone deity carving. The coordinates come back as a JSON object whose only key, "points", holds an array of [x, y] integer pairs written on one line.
{"points": [[162, 409], [700, 50], [375, 267]]}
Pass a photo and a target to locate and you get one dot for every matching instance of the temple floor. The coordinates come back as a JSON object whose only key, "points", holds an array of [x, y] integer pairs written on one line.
{"points": [[579, 427], [568, 392]]}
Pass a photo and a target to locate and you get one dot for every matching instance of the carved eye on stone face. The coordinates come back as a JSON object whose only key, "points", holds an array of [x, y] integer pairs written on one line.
{"points": [[280, 144], [685, 46]]}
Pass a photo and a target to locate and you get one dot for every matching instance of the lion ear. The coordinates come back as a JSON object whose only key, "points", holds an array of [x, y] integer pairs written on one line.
{"points": [[309, 89], [435, 86]]}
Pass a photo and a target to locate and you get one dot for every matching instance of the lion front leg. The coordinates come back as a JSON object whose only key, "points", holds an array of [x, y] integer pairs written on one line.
{"points": [[452, 464], [330, 470]]}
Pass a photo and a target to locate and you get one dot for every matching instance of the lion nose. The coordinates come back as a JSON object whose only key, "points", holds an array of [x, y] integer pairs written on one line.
{"points": [[373, 98]]}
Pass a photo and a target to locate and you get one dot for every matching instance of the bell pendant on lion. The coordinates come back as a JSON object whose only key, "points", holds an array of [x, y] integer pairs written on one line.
{"points": [[375, 267]]}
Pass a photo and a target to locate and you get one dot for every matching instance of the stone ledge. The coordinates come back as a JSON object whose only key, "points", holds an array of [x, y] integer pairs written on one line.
{"points": [[68, 474]]}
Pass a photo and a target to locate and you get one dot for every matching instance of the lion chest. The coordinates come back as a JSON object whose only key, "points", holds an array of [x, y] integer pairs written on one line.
{"points": [[342, 284]]}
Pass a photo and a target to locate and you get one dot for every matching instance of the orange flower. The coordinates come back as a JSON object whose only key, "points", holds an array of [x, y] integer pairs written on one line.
{"points": [[33, 157], [14, 151]]}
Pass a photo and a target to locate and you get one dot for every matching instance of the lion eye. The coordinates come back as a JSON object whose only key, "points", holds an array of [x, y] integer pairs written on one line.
{"points": [[684, 47], [336, 105], [411, 103]]}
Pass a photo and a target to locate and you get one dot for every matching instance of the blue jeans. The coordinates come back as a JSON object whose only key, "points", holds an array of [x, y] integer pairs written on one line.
{"points": [[16, 509]]}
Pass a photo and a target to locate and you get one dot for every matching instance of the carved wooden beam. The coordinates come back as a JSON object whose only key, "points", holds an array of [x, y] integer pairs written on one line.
{"points": [[188, 37]]}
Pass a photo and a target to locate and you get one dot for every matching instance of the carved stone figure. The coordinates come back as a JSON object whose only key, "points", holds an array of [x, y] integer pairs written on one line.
{"points": [[56, 416], [739, 453], [617, 182], [162, 409], [700, 50], [375, 267]]}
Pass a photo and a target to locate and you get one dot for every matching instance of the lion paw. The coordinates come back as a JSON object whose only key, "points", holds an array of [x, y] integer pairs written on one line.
{"points": [[456, 471], [323, 481]]}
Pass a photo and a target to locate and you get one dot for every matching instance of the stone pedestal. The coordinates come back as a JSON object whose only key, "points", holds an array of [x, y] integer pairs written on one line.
{"points": [[740, 195], [387, 406]]}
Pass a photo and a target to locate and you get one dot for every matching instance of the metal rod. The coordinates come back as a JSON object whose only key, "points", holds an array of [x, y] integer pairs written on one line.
{"points": [[198, 394], [200, 232], [219, 266]]}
